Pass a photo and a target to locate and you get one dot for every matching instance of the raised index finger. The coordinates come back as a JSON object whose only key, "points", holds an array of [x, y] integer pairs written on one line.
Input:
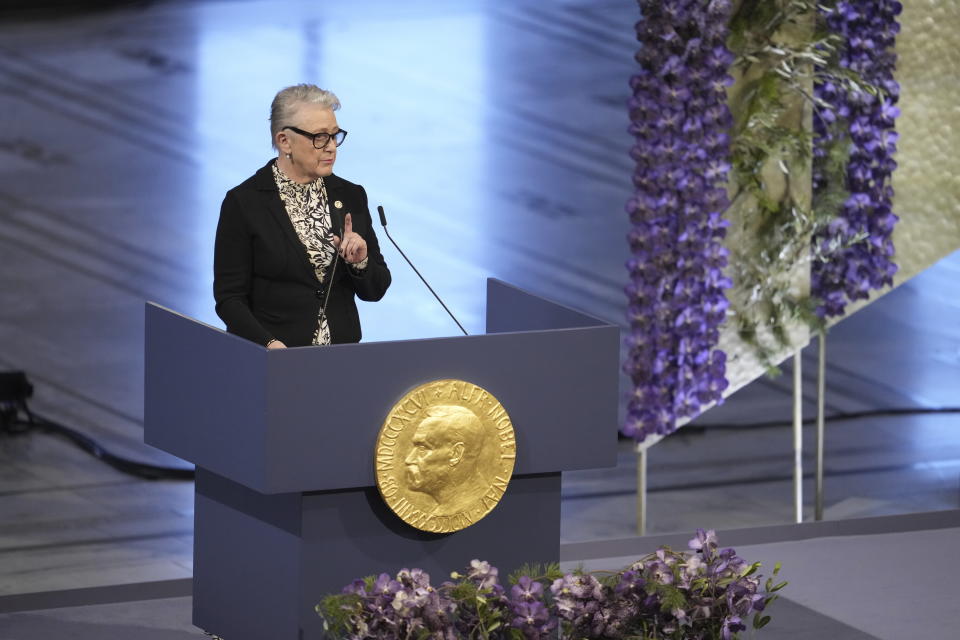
{"points": [[347, 224]]}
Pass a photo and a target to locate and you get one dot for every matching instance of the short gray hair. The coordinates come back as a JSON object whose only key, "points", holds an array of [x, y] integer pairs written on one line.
{"points": [[287, 100]]}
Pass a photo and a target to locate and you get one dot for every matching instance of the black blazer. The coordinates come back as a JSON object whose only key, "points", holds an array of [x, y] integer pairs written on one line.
{"points": [[263, 282]]}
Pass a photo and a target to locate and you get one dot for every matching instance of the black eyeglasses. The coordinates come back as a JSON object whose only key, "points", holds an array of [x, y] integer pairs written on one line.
{"points": [[320, 140]]}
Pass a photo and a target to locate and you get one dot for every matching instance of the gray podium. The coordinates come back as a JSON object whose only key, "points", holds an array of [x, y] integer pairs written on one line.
{"points": [[286, 504]]}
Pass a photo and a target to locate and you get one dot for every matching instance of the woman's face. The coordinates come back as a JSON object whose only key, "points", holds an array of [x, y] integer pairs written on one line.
{"points": [[306, 163]]}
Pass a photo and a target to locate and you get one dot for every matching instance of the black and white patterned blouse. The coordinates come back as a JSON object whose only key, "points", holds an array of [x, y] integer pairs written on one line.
{"points": [[307, 206]]}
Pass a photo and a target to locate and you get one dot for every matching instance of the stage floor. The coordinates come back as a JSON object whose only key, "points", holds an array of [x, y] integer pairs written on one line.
{"points": [[495, 136], [887, 577]]}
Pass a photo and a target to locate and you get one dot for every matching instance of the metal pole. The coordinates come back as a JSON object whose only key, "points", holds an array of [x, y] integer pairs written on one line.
{"points": [[821, 419], [641, 490], [797, 438]]}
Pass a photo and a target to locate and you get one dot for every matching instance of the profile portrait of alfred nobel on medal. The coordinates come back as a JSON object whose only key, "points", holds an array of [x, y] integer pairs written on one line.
{"points": [[443, 463]]}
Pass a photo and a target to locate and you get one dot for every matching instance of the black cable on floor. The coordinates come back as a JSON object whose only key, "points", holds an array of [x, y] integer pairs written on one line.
{"points": [[14, 391], [136, 468]]}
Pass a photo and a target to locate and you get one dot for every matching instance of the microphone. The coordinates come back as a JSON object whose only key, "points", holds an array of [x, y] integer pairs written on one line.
{"points": [[383, 221], [333, 272]]}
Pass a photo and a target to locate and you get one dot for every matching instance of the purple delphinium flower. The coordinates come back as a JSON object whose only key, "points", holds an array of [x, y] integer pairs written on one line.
{"points": [[676, 301], [858, 255], [527, 590], [533, 619], [732, 625], [585, 607], [407, 605], [483, 574], [705, 542], [529, 610]]}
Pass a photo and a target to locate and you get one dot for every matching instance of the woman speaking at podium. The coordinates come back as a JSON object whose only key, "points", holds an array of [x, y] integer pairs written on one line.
{"points": [[295, 243]]}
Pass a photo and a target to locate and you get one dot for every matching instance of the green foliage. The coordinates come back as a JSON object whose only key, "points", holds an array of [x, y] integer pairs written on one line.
{"points": [[477, 604], [834, 192], [336, 611], [464, 591], [759, 622], [781, 48], [770, 586], [536, 571], [670, 598]]}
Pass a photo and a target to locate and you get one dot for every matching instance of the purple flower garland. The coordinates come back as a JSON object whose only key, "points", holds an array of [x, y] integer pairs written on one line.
{"points": [[680, 119], [854, 266]]}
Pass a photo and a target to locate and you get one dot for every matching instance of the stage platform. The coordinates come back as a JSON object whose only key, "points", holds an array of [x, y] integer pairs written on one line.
{"points": [[885, 577]]}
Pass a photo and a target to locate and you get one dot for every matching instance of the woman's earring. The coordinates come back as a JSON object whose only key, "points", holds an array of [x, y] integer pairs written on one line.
{"points": [[289, 157]]}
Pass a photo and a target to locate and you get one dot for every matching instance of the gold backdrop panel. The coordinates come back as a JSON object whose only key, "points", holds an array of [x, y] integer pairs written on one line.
{"points": [[445, 455]]}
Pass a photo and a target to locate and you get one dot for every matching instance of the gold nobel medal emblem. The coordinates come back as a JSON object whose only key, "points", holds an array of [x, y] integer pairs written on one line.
{"points": [[445, 455]]}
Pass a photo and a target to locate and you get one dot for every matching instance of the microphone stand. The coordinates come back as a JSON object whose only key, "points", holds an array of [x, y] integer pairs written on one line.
{"points": [[383, 222]]}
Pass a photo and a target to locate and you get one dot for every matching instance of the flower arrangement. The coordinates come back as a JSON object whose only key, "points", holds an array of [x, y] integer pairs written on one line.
{"points": [[680, 121], [857, 246], [706, 593], [832, 57]]}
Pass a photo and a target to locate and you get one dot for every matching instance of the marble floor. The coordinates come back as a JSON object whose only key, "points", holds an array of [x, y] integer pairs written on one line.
{"points": [[494, 136]]}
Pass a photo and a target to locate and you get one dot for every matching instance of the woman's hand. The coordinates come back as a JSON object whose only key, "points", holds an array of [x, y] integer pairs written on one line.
{"points": [[353, 248]]}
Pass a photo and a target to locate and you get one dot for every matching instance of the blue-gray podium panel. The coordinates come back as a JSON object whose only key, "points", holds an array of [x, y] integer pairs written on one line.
{"points": [[306, 419], [286, 507], [277, 556]]}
